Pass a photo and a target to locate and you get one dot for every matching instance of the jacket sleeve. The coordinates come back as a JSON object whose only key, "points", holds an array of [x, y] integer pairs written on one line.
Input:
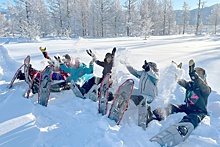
{"points": [[153, 76], [133, 71], [88, 70], [100, 63], [64, 68], [182, 82], [46, 55]]}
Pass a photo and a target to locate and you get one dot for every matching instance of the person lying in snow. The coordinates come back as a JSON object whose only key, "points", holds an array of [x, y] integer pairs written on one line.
{"points": [[76, 71], [107, 65], [56, 76], [197, 93], [67, 59]]}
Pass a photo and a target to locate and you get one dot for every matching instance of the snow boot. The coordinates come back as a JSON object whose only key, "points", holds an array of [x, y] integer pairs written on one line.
{"points": [[110, 96], [35, 88], [182, 130], [20, 76]]}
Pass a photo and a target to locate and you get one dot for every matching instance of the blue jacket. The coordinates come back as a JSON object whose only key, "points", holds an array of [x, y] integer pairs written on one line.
{"points": [[77, 73]]}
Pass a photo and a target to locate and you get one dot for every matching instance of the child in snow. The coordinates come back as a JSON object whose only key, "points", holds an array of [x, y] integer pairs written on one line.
{"points": [[149, 76], [78, 70], [197, 92], [107, 65], [66, 59]]}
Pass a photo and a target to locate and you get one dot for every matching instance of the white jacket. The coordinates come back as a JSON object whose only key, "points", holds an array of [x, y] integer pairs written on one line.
{"points": [[148, 82]]}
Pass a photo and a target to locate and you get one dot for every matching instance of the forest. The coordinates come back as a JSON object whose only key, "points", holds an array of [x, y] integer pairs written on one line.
{"points": [[103, 18]]}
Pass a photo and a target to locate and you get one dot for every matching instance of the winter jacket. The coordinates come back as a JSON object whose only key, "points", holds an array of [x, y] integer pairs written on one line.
{"points": [[148, 81], [77, 73], [107, 66], [197, 92]]}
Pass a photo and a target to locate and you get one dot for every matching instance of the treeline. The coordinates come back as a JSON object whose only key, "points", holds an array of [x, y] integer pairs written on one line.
{"points": [[100, 18]]}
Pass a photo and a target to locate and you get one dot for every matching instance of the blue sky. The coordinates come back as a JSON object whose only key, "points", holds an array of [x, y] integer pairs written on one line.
{"points": [[177, 4]]}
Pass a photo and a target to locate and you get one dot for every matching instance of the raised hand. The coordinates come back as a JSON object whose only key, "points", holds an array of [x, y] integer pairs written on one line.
{"points": [[42, 49], [90, 53], [113, 51]]}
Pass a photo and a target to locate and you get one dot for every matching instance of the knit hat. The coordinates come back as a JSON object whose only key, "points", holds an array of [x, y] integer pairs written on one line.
{"points": [[154, 66], [77, 59], [66, 58], [108, 55]]}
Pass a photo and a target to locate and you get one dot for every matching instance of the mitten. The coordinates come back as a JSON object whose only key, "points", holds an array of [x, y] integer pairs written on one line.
{"points": [[146, 66], [58, 59], [42, 49], [90, 53], [192, 72], [113, 51]]}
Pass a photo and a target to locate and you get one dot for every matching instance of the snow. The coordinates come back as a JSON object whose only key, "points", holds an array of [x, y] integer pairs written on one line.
{"points": [[70, 121]]}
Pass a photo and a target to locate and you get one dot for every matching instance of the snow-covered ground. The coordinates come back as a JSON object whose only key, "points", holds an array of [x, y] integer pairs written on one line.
{"points": [[70, 121]]}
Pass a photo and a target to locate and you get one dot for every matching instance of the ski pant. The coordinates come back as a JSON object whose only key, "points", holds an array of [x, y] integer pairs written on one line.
{"points": [[194, 117], [88, 84], [137, 97], [57, 76]]}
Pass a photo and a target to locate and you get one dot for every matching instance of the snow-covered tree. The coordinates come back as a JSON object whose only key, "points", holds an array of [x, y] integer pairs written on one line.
{"points": [[146, 19], [214, 18], [12, 20], [171, 15], [102, 16], [156, 13], [185, 16], [28, 25], [118, 20], [3, 25], [199, 13], [42, 17], [132, 17]]}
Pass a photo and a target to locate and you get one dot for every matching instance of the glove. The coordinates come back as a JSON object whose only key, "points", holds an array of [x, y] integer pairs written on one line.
{"points": [[42, 49], [146, 66], [90, 53], [191, 66], [58, 59], [190, 85], [113, 51], [192, 72]]}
